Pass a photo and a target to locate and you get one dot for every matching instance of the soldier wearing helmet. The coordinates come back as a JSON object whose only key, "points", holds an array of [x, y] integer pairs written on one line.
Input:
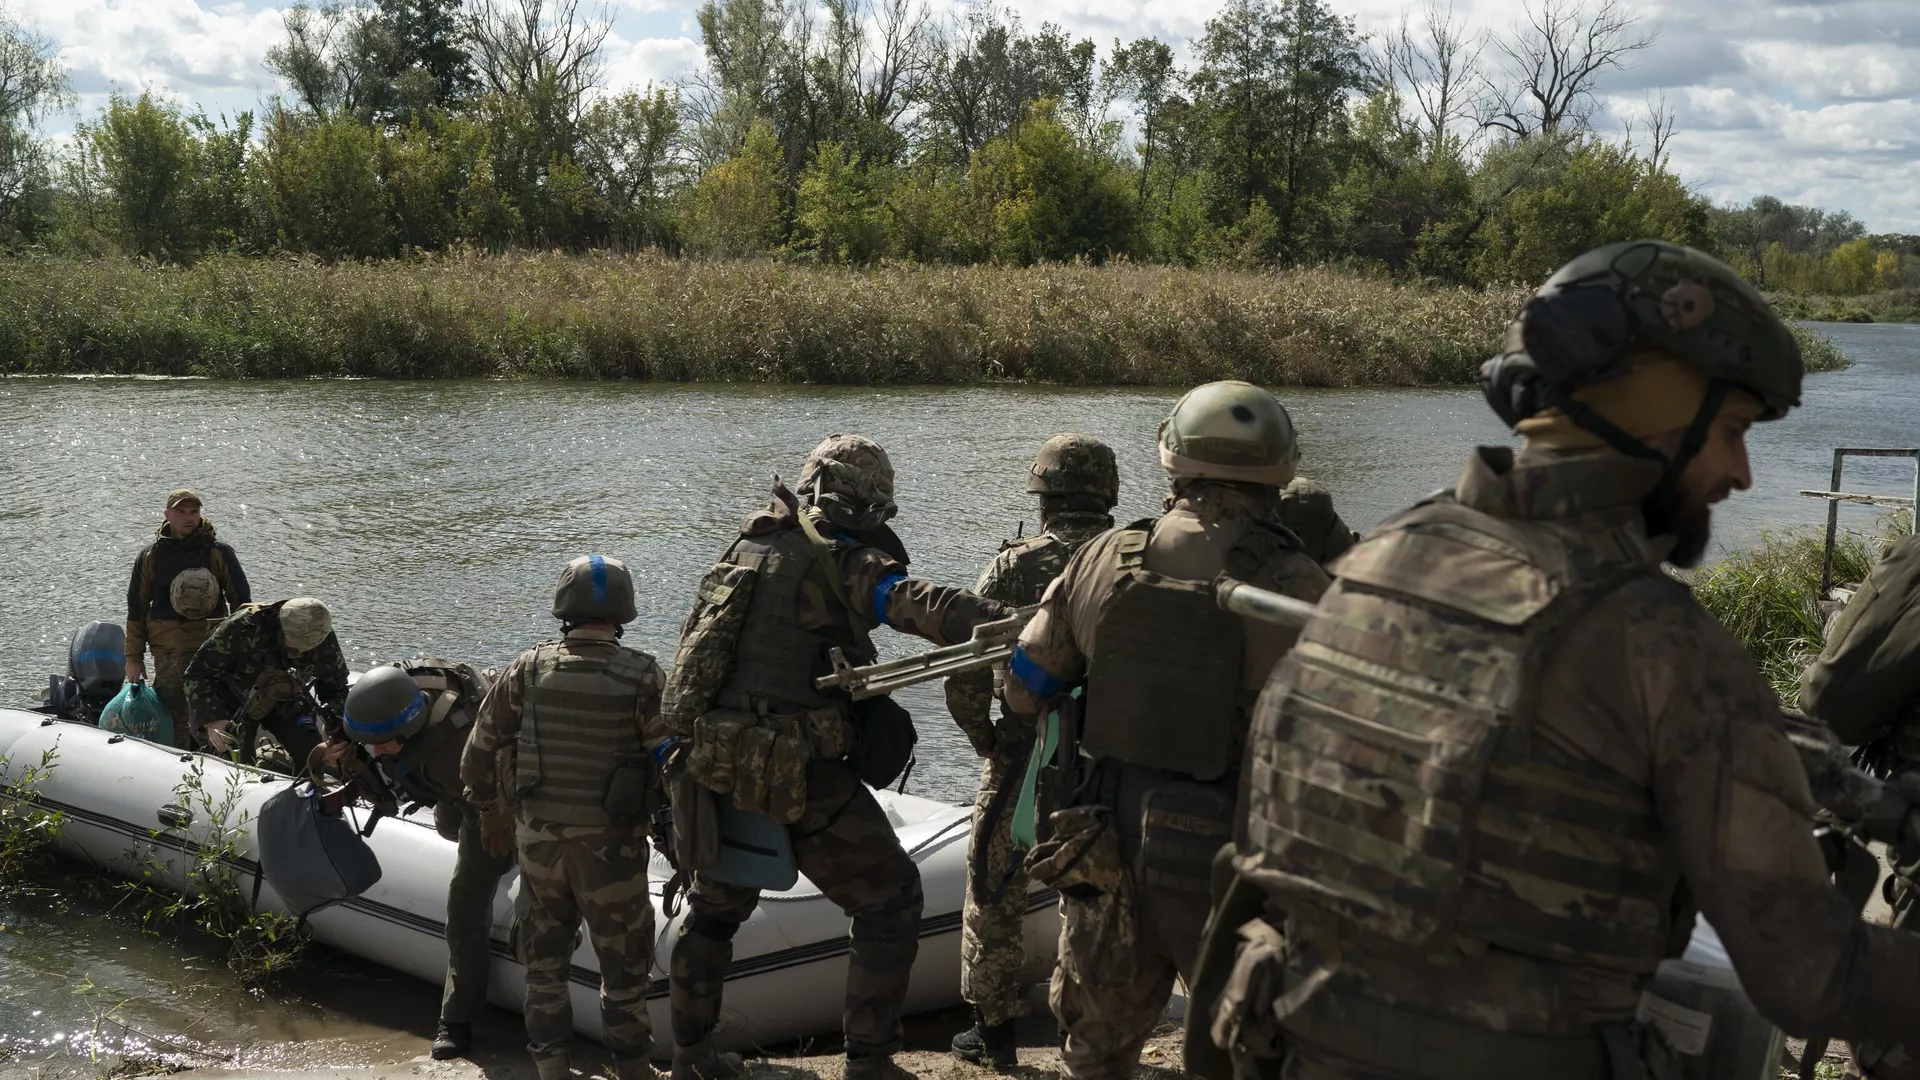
{"points": [[182, 585], [559, 768], [265, 667], [413, 719], [1511, 757], [817, 570], [1131, 636], [1078, 483]]}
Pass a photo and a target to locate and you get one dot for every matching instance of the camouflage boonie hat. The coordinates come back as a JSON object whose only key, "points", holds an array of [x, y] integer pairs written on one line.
{"points": [[851, 479], [304, 623], [183, 495], [195, 593], [1075, 464]]}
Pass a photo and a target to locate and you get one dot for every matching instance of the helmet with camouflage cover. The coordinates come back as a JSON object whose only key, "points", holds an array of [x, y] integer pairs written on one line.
{"points": [[195, 593], [385, 705], [1229, 431], [594, 587], [304, 623], [1075, 464], [850, 479], [1598, 311]]}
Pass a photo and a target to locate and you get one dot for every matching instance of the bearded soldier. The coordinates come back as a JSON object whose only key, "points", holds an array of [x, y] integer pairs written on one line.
{"points": [[1511, 757], [254, 668], [814, 573], [1169, 678], [1866, 687], [558, 765], [182, 585], [414, 720], [1078, 483]]}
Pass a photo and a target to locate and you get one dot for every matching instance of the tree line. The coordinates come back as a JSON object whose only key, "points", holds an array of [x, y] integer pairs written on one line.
{"points": [[857, 131]]}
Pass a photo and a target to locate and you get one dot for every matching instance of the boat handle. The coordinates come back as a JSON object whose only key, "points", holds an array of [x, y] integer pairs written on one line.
{"points": [[175, 816]]}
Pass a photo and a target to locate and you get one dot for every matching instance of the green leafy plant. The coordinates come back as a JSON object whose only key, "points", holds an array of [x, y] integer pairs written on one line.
{"points": [[26, 826]]}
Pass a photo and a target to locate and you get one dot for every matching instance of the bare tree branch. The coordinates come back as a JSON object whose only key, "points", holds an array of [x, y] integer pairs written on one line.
{"points": [[1662, 123], [1551, 60], [1439, 68]]}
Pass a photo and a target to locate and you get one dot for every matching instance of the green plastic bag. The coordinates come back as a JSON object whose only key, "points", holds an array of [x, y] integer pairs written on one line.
{"points": [[137, 711]]}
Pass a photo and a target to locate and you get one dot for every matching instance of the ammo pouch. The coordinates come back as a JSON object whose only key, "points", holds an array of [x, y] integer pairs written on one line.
{"points": [[630, 789], [1243, 1021], [1081, 859], [1183, 826], [708, 641], [760, 760], [883, 738]]}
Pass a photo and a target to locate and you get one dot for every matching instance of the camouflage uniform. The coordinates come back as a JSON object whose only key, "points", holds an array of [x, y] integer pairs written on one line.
{"points": [[991, 931], [152, 624], [245, 653], [1121, 950], [1866, 687], [843, 841], [1307, 509], [577, 861]]}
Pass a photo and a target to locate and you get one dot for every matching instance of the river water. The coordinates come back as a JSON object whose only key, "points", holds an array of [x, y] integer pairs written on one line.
{"points": [[433, 517]]}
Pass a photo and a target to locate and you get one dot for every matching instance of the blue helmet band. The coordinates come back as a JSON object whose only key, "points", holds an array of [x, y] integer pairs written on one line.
{"points": [[375, 730]]}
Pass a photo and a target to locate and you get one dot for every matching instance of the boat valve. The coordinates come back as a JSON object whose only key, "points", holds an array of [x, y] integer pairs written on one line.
{"points": [[175, 816]]}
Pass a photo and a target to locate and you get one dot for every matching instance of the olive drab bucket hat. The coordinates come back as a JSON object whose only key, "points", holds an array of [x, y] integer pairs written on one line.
{"points": [[594, 587], [304, 624], [1232, 431], [1075, 464], [849, 479], [195, 593], [385, 705]]}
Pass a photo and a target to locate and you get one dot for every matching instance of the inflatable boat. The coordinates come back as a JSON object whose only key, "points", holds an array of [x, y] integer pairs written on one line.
{"points": [[122, 800]]}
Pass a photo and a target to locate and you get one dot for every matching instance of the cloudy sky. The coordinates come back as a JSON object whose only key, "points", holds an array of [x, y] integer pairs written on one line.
{"points": [[1816, 101]]}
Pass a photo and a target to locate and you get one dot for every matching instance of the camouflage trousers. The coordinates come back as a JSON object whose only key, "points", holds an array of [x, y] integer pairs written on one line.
{"points": [[1119, 955], [476, 878], [168, 677], [847, 848], [992, 940], [573, 873]]}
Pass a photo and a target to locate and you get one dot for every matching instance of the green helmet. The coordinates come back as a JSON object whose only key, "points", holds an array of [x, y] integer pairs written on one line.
{"points": [[594, 587], [1229, 431], [304, 623], [1075, 464], [384, 705], [850, 480], [1589, 318]]}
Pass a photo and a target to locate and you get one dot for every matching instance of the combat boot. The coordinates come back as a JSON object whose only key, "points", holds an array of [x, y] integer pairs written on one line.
{"points": [[552, 1067], [699, 1062], [452, 1040], [634, 1068], [875, 1067], [992, 1045]]}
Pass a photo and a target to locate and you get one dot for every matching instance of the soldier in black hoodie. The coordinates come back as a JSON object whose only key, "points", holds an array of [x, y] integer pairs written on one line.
{"points": [[183, 584]]}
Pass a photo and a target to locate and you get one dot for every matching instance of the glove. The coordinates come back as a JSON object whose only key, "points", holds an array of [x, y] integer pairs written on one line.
{"points": [[496, 831]]}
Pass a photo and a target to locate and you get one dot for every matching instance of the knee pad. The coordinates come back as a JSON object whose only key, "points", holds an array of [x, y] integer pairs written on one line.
{"points": [[712, 928]]}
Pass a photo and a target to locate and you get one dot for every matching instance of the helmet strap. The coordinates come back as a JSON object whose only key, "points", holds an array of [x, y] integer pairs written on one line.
{"points": [[1663, 502]]}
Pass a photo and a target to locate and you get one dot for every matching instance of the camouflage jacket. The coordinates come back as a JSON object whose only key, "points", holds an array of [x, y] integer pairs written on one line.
{"points": [[1648, 687], [1307, 509], [1868, 676], [248, 646], [1017, 576]]}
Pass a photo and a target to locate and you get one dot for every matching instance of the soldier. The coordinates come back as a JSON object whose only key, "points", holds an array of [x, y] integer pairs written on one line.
{"points": [[1510, 757], [414, 721], [558, 763], [258, 660], [182, 585], [825, 572], [1169, 679], [1306, 508], [1078, 483], [1866, 687]]}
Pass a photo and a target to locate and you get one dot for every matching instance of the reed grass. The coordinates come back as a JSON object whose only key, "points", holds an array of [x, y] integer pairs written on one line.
{"points": [[1894, 305]]}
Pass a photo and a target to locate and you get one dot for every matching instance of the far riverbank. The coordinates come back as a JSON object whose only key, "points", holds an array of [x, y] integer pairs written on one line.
{"points": [[681, 320]]}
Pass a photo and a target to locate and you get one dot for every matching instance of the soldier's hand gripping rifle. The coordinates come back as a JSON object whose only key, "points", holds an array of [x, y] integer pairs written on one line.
{"points": [[991, 643]]}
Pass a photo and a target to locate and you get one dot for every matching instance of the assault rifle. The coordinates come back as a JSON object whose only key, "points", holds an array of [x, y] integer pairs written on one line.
{"points": [[992, 643]]}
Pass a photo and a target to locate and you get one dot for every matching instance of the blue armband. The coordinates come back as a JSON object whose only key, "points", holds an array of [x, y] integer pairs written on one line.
{"points": [[1032, 676], [660, 752], [880, 592]]}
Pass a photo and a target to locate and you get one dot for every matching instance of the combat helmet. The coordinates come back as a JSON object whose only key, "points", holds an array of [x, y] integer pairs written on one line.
{"points": [[304, 623], [384, 705], [195, 593], [594, 587], [849, 479], [1229, 431], [1075, 464]]}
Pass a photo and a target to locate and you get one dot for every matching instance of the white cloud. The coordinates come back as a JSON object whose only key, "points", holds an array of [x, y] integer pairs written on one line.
{"points": [[1826, 72], [176, 46]]}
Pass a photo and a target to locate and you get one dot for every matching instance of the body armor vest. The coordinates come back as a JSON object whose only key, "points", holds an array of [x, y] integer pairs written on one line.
{"points": [[1397, 797], [580, 720], [427, 768], [777, 658], [1163, 686]]}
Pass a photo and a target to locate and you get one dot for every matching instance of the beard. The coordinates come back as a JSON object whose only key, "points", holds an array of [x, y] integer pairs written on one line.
{"points": [[1692, 530]]}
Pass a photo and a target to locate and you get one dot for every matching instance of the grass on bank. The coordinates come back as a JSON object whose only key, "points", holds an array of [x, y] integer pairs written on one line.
{"points": [[1897, 305]]}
